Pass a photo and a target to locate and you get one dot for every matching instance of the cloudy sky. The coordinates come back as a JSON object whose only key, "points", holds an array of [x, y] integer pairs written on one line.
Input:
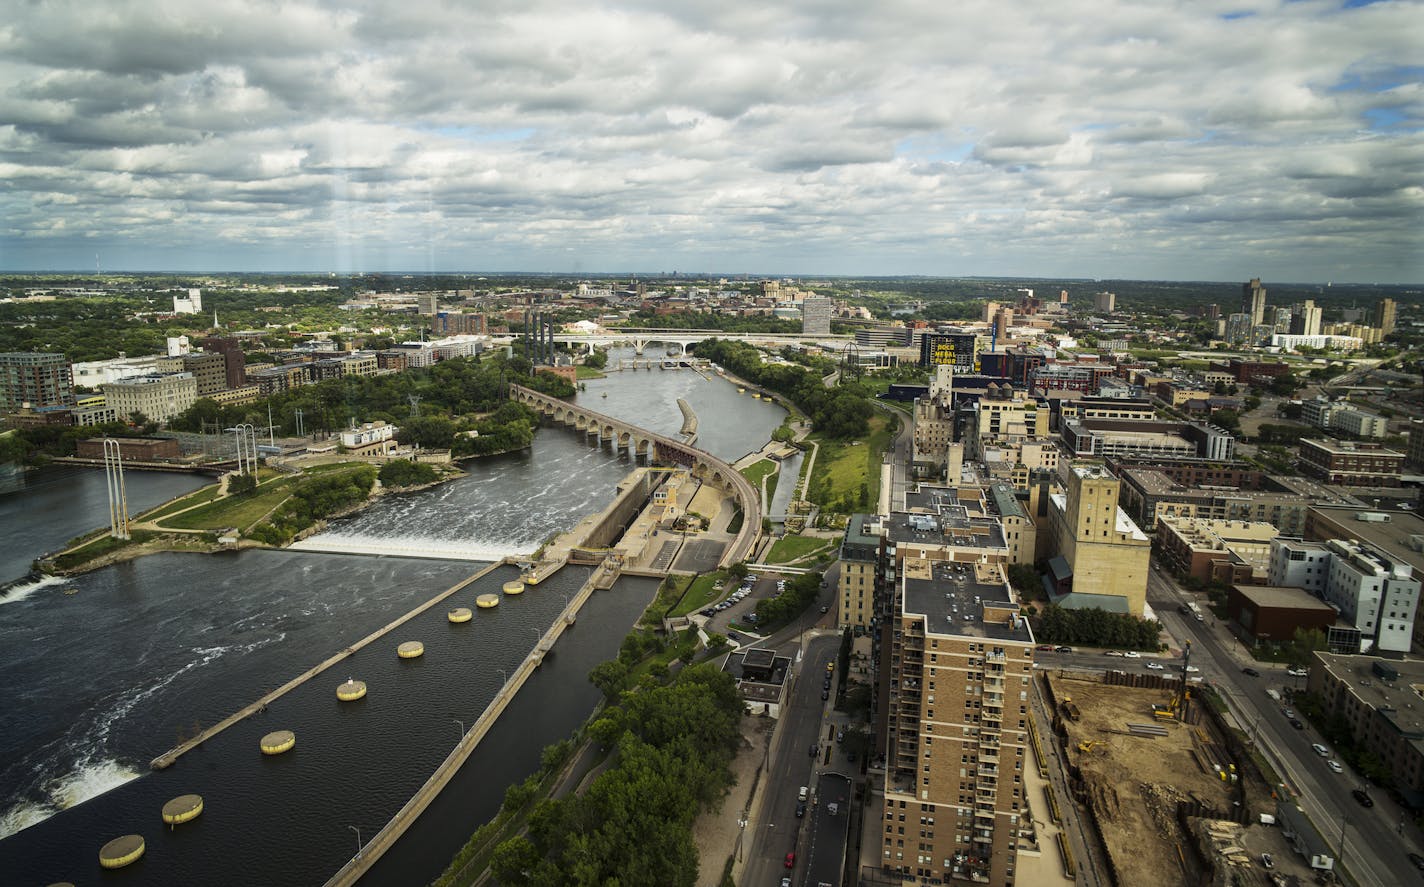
{"points": [[1183, 139]]}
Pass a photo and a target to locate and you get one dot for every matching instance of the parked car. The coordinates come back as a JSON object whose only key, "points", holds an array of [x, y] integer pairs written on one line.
{"points": [[815, 749], [800, 809], [1045, 647], [1335, 766], [1132, 654], [1288, 713], [1117, 653], [1267, 861], [1297, 724], [1363, 799], [1248, 670], [791, 860], [1320, 750], [1063, 648], [1155, 666], [1192, 669], [825, 694]]}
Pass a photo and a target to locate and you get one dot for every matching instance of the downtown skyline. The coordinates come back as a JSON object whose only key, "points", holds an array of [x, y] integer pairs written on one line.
{"points": [[1218, 140]]}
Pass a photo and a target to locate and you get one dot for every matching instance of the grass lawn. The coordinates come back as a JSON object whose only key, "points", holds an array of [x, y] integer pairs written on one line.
{"points": [[99, 547], [701, 594], [789, 548], [758, 470], [844, 467], [234, 511], [197, 497], [588, 372]]}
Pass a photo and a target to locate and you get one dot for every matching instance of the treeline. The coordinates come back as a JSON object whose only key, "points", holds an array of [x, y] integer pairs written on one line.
{"points": [[841, 413], [449, 397], [313, 499], [790, 603], [633, 826], [34, 445], [696, 320], [405, 473], [1096, 628]]}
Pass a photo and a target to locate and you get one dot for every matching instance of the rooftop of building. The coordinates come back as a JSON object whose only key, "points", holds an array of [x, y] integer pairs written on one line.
{"points": [[953, 597], [862, 536], [147, 379], [1399, 699], [1346, 447], [1209, 533], [950, 525], [1401, 537], [1282, 597], [1121, 522], [1004, 500]]}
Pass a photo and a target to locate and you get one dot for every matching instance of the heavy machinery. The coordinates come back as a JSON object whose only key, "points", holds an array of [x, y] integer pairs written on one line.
{"points": [[1087, 745], [1176, 707]]}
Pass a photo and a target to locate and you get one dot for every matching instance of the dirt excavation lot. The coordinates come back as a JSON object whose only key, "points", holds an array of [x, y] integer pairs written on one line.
{"points": [[1133, 783]]}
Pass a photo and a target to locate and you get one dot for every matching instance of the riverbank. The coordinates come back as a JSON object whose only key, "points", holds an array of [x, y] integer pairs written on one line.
{"points": [[149, 535]]}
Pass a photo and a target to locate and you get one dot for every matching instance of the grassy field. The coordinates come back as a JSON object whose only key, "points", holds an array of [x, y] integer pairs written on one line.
{"points": [[235, 511], [588, 372], [98, 548], [758, 470], [197, 497], [847, 473], [789, 548]]}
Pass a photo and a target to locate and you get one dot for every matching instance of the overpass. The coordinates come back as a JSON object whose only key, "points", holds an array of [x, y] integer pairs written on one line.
{"points": [[656, 448], [641, 337]]}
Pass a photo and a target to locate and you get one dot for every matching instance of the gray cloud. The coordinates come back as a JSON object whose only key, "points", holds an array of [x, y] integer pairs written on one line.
{"points": [[1086, 138]]}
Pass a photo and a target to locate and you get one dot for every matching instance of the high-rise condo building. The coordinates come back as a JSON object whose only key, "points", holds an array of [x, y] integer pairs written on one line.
{"points": [[816, 315], [1384, 316], [36, 378], [1253, 301]]}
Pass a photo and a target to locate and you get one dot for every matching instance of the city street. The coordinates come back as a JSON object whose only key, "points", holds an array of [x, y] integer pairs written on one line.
{"points": [[1376, 839]]}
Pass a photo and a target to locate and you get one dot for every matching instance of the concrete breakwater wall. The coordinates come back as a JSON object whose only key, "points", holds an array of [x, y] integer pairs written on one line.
{"points": [[168, 758], [391, 832]]}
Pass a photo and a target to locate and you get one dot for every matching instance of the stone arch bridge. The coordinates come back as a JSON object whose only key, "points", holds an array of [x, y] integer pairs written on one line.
{"points": [[658, 449]]}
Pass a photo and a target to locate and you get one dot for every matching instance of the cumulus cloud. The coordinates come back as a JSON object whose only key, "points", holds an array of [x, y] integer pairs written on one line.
{"points": [[1085, 138]]}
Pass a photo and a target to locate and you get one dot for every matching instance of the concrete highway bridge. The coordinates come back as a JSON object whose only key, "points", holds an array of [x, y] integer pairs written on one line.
{"points": [[642, 337], [662, 450]]}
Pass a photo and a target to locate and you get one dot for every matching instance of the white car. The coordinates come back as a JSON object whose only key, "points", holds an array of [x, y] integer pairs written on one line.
{"points": [[1155, 666], [1192, 669], [1132, 654], [1335, 765]]}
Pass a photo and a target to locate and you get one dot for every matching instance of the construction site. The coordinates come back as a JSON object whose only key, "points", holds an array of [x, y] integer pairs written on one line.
{"points": [[1169, 786]]}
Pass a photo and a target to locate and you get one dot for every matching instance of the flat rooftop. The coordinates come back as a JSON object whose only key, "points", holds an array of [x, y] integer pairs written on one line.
{"points": [[1400, 701], [1394, 537], [1282, 597], [952, 597]]}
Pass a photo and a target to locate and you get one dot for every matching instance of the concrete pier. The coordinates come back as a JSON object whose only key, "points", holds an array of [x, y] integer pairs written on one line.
{"points": [[168, 758], [391, 832]]}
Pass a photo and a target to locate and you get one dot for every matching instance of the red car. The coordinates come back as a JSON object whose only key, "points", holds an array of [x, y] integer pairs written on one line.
{"points": [[791, 860]]}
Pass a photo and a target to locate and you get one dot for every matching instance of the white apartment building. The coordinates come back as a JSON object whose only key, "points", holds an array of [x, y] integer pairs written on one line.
{"points": [[1375, 593], [158, 397]]}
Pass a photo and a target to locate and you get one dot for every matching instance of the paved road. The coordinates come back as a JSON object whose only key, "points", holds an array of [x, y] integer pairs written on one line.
{"points": [[1376, 843], [774, 828]]}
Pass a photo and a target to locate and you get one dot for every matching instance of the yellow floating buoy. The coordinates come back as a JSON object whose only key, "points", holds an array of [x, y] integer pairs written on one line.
{"points": [[278, 741], [531, 578], [487, 601], [351, 691], [411, 650], [459, 614], [514, 586], [182, 809], [741, 391], [121, 852]]}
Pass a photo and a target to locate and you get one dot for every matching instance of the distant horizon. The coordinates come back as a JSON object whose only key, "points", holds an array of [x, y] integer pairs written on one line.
{"points": [[747, 275]]}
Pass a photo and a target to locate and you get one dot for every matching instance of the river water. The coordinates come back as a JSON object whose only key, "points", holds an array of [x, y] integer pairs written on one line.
{"points": [[106, 671]]}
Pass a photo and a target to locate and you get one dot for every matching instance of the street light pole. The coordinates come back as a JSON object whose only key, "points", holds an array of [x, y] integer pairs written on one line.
{"points": [[462, 728], [359, 845]]}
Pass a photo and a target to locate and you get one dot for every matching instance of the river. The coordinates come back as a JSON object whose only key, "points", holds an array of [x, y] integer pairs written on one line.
{"points": [[102, 679]]}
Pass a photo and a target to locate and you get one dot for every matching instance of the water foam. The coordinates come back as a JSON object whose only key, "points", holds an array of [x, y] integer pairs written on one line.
{"points": [[413, 546], [89, 780], [26, 587]]}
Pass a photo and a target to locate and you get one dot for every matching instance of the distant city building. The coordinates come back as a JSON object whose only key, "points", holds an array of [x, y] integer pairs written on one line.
{"points": [[209, 371], [234, 363], [159, 397], [1350, 463], [1384, 316], [192, 304], [957, 350], [427, 304], [39, 379], [1238, 328], [1101, 556], [1253, 301], [816, 315], [1305, 320], [1105, 302], [179, 346]]}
